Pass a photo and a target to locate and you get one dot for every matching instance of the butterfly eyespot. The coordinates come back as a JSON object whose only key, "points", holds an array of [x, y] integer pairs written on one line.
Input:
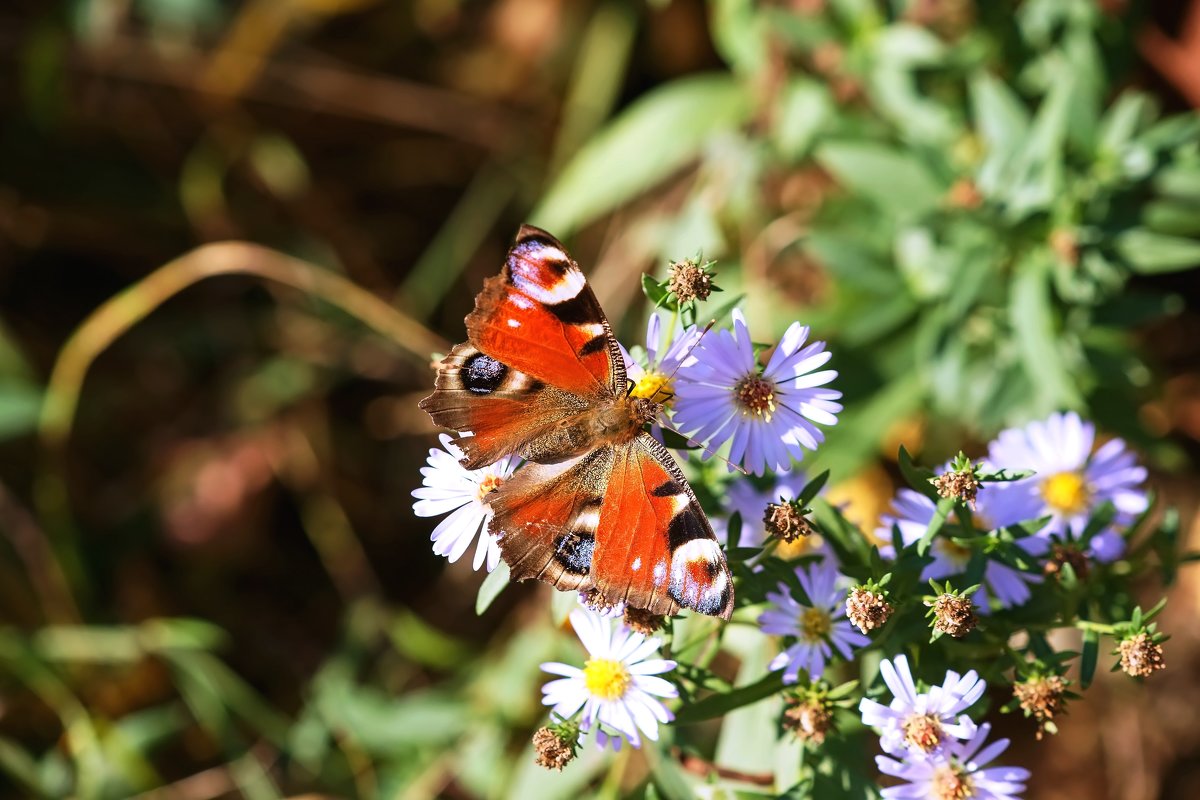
{"points": [[482, 374], [574, 552]]}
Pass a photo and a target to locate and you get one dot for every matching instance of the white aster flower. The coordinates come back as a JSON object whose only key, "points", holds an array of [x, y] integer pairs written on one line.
{"points": [[767, 413], [447, 488], [618, 687]]}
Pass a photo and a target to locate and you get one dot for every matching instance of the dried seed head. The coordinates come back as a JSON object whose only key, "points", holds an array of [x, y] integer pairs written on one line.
{"points": [[810, 719], [689, 281], [590, 598], [642, 621], [551, 749], [1041, 698], [954, 615], [867, 610], [1141, 656], [961, 485], [1066, 554], [786, 522]]}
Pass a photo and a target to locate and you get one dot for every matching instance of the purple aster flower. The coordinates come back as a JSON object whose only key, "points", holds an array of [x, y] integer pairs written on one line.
{"points": [[921, 722], [1071, 480], [447, 488], [651, 374], [996, 506], [960, 772], [766, 414], [817, 629]]}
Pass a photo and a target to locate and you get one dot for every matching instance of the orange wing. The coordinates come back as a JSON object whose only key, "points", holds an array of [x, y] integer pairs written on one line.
{"points": [[622, 520], [540, 350], [654, 546], [540, 317]]}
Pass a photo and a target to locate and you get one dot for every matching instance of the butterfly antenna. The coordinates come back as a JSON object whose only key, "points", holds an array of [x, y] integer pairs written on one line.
{"points": [[695, 443], [695, 344]]}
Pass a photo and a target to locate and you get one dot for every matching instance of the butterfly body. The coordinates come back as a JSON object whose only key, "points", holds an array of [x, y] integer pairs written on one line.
{"points": [[600, 505]]}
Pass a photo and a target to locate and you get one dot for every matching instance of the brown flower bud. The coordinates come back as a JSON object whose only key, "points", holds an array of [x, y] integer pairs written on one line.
{"points": [[1041, 698], [551, 750], [867, 610], [1141, 656], [954, 615], [962, 486], [1065, 554], [689, 281], [785, 522], [809, 719], [642, 621]]}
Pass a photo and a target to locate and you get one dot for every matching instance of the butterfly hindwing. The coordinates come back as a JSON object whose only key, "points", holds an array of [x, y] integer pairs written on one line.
{"points": [[655, 548], [540, 317], [545, 519]]}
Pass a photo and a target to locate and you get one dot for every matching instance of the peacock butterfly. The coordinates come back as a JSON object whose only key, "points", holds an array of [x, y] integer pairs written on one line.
{"points": [[600, 504]]}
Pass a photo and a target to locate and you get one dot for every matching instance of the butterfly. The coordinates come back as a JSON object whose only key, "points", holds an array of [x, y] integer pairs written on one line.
{"points": [[600, 505]]}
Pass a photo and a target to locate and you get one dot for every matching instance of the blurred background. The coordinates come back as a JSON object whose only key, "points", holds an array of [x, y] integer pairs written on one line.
{"points": [[211, 580]]}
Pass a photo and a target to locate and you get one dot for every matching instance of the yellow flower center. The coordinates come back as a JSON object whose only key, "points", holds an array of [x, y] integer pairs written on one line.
{"points": [[951, 783], [606, 678], [814, 625], [1066, 492], [756, 395], [656, 387], [923, 731], [488, 485]]}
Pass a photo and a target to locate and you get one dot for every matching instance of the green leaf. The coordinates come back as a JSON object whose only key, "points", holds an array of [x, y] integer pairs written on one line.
{"points": [[803, 110], [491, 587], [1149, 253], [719, 704], [20, 404], [917, 477], [1091, 655], [895, 180], [655, 293], [656, 135], [939, 519], [1032, 318]]}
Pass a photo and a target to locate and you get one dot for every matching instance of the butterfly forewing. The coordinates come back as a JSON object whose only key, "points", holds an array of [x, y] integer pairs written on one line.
{"points": [[539, 316]]}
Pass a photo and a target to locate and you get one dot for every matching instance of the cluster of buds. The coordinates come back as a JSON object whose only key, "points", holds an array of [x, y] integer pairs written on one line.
{"points": [[952, 611], [556, 744], [688, 282], [867, 605], [809, 712], [786, 520], [960, 482]]}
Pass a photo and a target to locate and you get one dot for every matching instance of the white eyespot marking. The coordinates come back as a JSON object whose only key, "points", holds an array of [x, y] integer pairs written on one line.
{"points": [[528, 278], [521, 301], [636, 565], [514, 323], [660, 572], [588, 520], [698, 579], [679, 502], [592, 329]]}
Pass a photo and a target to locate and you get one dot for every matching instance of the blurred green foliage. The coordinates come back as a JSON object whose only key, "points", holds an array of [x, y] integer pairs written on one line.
{"points": [[971, 200]]}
